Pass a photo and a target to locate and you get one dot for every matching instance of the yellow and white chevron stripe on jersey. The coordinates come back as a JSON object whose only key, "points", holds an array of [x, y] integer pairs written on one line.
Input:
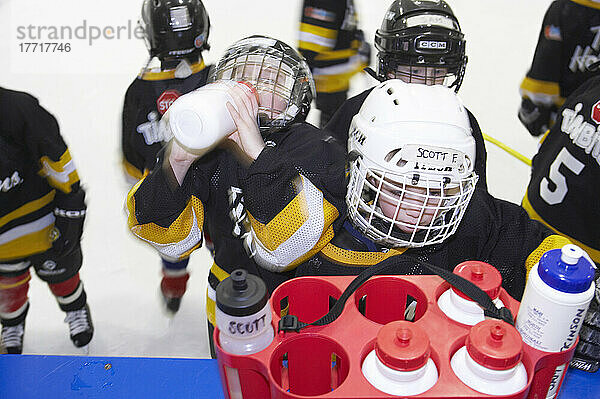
{"points": [[593, 253], [27, 239], [28, 208], [177, 241], [316, 38], [298, 232], [60, 174], [336, 78], [541, 91]]}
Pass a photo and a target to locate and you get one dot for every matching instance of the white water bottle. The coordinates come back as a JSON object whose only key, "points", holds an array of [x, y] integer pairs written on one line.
{"points": [[460, 307], [200, 119], [557, 295], [400, 364], [243, 316], [490, 361]]}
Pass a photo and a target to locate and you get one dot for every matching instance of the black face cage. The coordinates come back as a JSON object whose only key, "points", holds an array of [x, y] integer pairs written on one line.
{"points": [[433, 47], [279, 74], [175, 31]]}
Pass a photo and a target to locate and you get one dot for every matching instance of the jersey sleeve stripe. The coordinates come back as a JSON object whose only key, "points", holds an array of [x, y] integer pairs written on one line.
{"points": [[60, 174], [540, 91], [303, 227]]}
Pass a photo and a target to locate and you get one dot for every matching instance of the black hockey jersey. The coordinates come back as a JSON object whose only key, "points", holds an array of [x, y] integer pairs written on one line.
{"points": [[492, 230], [569, 41], [565, 175], [330, 41], [281, 209], [34, 164], [146, 101], [339, 124]]}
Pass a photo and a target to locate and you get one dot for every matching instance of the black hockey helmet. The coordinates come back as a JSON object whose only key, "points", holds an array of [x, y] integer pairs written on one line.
{"points": [[421, 40], [279, 74], [175, 29]]}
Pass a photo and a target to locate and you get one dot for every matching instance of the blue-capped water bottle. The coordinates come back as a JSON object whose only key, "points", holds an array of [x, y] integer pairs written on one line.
{"points": [[557, 295]]}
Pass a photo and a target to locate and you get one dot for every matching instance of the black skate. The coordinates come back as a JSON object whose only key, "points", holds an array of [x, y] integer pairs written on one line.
{"points": [[12, 338], [80, 326], [172, 304]]}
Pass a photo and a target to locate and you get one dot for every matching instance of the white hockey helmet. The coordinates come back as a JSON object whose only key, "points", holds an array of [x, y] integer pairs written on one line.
{"points": [[412, 160]]}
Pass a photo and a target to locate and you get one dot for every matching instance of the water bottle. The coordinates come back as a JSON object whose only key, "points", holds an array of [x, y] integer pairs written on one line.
{"points": [[243, 316], [200, 119], [460, 307], [490, 361], [400, 364], [557, 295]]}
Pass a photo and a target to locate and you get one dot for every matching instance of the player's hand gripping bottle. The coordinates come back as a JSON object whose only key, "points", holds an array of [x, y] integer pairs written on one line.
{"points": [[199, 120], [557, 295]]}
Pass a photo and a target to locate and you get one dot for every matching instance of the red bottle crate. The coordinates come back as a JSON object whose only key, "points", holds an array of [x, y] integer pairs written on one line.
{"points": [[325, 361]]}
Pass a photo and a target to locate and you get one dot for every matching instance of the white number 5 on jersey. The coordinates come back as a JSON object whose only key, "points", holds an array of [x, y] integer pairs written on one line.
{"points": [[556, 196]]}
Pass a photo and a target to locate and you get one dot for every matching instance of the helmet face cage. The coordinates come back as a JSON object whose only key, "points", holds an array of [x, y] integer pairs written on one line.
{"points": [[421, 47], [406, 209], [175, 29], [279, 74]]}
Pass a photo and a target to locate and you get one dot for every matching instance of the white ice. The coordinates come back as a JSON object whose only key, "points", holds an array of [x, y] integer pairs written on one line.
{"points": [[84, 90]]}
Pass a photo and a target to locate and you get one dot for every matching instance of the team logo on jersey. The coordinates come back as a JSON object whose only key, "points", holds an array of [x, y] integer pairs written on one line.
{"points": [[552, 32], [10, 181], [583, 57], [596, 112], [166, 99], [319, 13]]}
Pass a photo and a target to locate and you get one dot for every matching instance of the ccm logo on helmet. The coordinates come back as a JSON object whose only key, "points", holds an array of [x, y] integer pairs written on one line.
{"points": [[166, 99], [432, 45]]}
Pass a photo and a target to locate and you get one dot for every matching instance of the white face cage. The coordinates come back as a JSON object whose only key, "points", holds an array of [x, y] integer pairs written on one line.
{"points": [[280, 79], [408, 209]]}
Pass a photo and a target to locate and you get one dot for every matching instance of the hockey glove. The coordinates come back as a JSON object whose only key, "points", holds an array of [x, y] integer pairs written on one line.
{"points": [[537, 118], [69, 212]]}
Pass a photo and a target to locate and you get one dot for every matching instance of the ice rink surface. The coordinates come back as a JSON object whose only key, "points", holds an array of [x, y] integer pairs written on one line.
{"points": [[84, 89]]}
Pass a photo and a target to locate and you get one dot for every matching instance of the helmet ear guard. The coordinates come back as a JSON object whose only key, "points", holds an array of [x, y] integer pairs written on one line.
{"points": [[279, 74], [412, 160]]}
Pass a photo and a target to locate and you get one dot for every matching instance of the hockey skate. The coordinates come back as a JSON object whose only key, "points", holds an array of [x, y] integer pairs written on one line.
{"points": [[172, 288], [172, 304], [80, 326], [12, 338]]}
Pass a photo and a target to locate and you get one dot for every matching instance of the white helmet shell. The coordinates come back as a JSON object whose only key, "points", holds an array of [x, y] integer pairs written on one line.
{"points": [[410, 138]]}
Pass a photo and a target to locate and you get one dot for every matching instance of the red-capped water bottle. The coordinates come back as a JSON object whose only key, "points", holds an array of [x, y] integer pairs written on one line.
{"points": [[490, 361], [243, 316], [557, 295], [460, 307], [400, 364]]}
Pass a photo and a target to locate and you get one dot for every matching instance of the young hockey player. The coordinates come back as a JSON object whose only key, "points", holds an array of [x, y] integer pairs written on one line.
{"points": [[334, 48], [269, 194], [569, 41], [564, 187], [42, 210], [176, 33], [418, 42], [412, 191]]}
